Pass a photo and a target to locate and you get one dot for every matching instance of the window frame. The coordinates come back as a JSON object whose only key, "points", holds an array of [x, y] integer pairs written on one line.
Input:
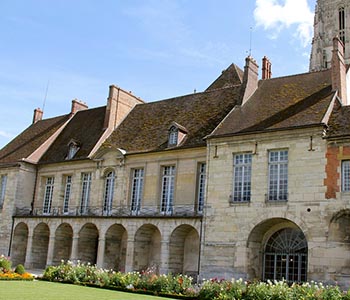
{"points": [[201, 186], [108, 193], [48, 194], [3, 185], [173, 136], [240, 171], [86, 179], [345, 176], [281, 194], [167, 189], [137, 186], [67, 193]]}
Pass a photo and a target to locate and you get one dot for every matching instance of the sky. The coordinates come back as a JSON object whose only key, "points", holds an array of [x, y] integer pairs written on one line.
{"points": [[52, 52]]}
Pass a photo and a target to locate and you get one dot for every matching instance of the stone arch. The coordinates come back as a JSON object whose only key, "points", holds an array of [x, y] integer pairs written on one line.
{"points": [[88, 243], [263, 234], [147, 248], [63, 243], [19, 244], [184, 251], [41, 236], [115, 248], [339, 244]]}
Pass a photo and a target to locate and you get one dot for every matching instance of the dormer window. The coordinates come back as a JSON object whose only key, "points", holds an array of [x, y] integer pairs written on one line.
{"points": [[73, 148], [177, 133]]}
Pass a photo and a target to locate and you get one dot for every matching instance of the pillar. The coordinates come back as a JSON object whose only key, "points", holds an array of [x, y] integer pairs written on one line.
{"points": [[129, 260]]}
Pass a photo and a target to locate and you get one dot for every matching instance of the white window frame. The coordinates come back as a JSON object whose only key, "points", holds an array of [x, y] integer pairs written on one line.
{"points": [[67, 193], [108, 193], [342, 25], [173, 136], [242, 177], [201, 184], [48, 195], [137, 189], [85, 192], [278, 175], [73, 148], [168, 189], [345, 176], [3, 190]]}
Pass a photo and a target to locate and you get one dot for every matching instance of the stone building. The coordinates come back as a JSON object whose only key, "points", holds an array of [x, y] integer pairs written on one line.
{"points": [[331, 19], [250, 178]]}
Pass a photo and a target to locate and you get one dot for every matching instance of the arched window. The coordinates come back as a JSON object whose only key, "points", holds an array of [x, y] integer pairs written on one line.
{"points": [[342, 24], [285, 256], [173, 136], [108, 193], [73, 148]]}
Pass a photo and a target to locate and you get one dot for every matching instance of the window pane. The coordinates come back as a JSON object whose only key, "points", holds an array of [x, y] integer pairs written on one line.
{"points": [[278, 175], [67, 192], [3, 189], [242, 177], [108, 193], [137, 190], [168, 181], [346, 175], [48, 195], [85, 192], [201, 186]]}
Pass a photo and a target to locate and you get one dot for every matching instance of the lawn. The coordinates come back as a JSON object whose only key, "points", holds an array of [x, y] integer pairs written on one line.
{"points": [[42, 290]]}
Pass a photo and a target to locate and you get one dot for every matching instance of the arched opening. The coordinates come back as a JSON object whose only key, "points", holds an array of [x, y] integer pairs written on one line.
{"points": [[285, 256], [115, 248], [339, 245], [147, 248], [277, 249], [184, 251], [19, 244], [40, 246], [88, 244], [63, 243]]}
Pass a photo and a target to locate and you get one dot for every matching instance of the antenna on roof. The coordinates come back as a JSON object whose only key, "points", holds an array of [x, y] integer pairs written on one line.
{"points": [[47, 89]]}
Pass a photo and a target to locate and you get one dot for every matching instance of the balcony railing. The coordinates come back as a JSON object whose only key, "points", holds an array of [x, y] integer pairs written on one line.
{"points": [[119, 211]]}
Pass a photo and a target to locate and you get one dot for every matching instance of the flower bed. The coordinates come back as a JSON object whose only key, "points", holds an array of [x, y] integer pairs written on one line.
{"points": [[180, 286], [6, 272]]}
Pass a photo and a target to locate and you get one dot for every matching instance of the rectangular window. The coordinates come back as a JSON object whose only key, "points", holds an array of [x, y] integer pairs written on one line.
{"points": [[108, 193], [85, 192], [137, 190], [67, 193], [168, 183], [48, 195], [278, 175], [2, 189], [345, 178], [201, 186], [242, 171]]}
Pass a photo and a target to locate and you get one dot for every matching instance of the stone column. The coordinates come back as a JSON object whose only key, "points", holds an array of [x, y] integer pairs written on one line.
{"points": [[74, 253], [29, 259], [164, 257], [50, 250], [101, 251], [129, 260]]}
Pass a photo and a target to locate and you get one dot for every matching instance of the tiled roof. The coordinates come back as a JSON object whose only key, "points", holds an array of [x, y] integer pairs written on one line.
{"points": [[232, 76], [85, 128], [146, 127], [339, 122], [281, 103], [30, 139]]}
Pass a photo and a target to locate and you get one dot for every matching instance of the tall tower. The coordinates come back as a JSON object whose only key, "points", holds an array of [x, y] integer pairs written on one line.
{"points": [[332, 18]]}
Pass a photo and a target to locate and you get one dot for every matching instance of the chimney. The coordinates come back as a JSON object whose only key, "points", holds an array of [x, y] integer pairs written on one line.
{"points": [[112, 106], [266, 68], [78, 105], [339, 70], [250, 79], [38, 115]]}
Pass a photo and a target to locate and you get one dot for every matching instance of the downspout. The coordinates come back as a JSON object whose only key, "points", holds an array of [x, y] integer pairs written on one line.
{"points": [[11, 237], [34, 192]]}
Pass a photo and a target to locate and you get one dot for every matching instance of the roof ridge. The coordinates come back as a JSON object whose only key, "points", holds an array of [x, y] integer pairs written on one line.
{"points": [[294, 75]]}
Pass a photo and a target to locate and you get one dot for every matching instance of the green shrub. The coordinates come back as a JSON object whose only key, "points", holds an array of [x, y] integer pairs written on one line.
{"points": [[20, 269], [5, 264]]}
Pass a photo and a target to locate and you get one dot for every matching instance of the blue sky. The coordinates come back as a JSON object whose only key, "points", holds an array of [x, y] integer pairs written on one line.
{"points": [[157, 49]]}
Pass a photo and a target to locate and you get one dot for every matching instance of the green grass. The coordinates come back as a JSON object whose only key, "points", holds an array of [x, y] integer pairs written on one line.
{"points": [[43, 290]]}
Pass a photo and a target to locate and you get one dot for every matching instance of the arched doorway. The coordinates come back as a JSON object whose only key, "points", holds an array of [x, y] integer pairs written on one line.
{"points": [[19, 244], [63, 243], [147, 248], [115, 248], [184, 251], [285, 256], [88, 244], [40, 245]]}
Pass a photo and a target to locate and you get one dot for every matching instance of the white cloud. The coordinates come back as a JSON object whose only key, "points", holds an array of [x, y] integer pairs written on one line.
{"points": [[272, 15], [6, 134]]}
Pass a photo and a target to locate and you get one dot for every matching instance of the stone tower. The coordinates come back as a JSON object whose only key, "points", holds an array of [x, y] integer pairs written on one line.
{"points": [[332, 18]]}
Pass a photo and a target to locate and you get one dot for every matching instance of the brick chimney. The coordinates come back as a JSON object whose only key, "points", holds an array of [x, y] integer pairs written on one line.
{"points": [[112, 106], [339, 70], [38, 115], [266, 68], [250, 79], [78, 105]]}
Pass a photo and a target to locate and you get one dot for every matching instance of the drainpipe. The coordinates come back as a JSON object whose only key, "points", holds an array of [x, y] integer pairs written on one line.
{"points": [[11, 236], [34, 192]]}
